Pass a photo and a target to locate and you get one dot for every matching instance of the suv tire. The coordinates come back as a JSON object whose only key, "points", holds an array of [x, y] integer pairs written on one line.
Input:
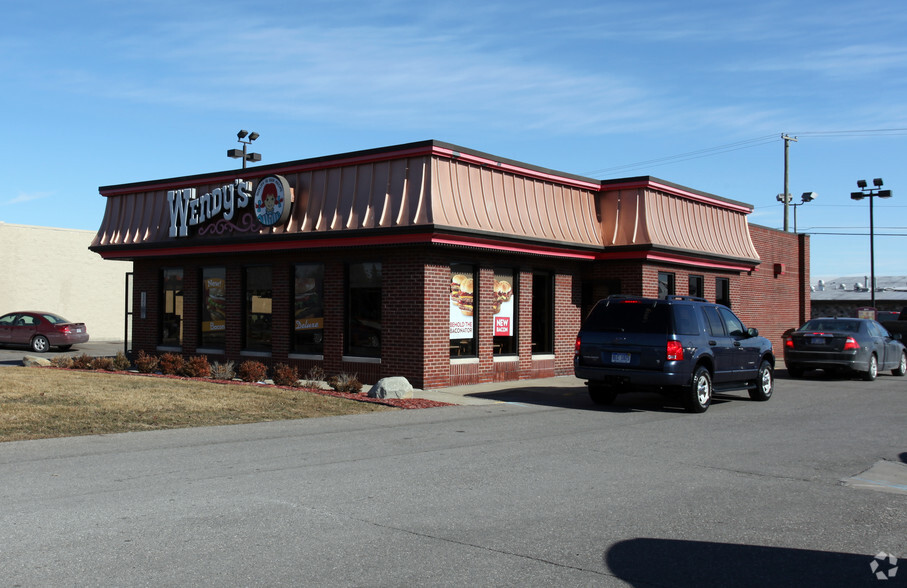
{"points": [[600, 394], [765, 383], [699, 394]]}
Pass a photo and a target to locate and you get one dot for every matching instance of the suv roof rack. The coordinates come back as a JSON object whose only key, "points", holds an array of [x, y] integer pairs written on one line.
{"points": [[691, 298]]}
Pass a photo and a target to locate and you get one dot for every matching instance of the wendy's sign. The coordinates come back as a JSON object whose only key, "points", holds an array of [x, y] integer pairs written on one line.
{"points": [[272, 202]]}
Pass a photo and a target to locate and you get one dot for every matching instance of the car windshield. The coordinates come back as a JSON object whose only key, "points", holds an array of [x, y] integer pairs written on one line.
{"points": [[54, 319], [839, 325], [629, 316]]}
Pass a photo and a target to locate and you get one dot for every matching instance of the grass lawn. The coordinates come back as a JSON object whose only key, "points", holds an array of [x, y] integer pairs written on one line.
{"points": [[38, 403]]}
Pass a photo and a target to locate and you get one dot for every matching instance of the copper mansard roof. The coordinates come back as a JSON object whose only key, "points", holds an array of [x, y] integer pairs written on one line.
{"points": [[437, 193]]}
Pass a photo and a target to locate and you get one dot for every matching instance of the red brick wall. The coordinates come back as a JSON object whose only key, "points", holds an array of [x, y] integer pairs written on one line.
{"points": [[416, 310], [774, 302]]}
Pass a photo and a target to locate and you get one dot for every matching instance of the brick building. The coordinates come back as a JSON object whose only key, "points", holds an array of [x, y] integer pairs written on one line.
{"points": [[427, 260]]}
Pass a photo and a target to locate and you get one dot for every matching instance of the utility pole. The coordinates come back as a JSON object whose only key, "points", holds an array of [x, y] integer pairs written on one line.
{"points": [[787, 141]]}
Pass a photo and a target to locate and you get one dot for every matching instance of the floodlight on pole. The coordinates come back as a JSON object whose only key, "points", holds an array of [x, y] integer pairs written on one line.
{"points": [[804, 198], [241, 138], [867, 192]]}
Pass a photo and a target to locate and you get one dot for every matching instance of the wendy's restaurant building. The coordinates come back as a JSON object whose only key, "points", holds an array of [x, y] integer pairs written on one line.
{"points": [[441, 264]]}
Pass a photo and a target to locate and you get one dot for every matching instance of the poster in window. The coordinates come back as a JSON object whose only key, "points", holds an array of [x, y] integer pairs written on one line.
{"points": [[502, 307], [215, 313], [461, 305], [308, 306]]}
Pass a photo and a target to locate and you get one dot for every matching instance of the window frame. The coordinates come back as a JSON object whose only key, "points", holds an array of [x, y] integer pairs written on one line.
{"points": [[177, 300], [376, 293], [266, 345]]}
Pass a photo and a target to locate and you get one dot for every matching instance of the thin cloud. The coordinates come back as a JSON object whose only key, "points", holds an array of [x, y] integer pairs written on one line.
{"points": [[22, 198]]}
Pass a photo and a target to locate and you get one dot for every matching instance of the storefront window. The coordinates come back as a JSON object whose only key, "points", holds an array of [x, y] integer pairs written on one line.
{"points": [[504, 314], [363, 317], [542, 314], [462, 311], [308, 309], [723, 291], [213, 311], [697, 286], [665, 284], [257, 309], [172, 311]]}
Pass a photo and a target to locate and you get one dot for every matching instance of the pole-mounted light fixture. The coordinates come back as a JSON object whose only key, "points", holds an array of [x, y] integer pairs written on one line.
{"points": [[804, 198], [241, 153], [867, 192]]}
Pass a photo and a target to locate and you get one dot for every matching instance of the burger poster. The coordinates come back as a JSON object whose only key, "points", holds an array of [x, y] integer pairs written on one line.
{"points": [[215, 314], [502, 307], [462, 299]]}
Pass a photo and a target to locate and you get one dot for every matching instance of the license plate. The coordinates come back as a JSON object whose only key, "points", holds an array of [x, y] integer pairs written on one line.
{"points": [[78, 330], [620, 358], [817, 341]]}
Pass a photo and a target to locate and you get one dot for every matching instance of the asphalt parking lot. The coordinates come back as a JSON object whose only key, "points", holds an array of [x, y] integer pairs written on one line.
{"points": [[535, 486]]}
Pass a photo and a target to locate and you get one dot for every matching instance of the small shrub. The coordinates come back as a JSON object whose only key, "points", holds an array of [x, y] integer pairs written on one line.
{"points": [[61, 361], [172, 364], [285, 375], [313, 377], [102, 363], [145, 363], [81, 362], [121, 362], [252, 371], [223, 371], [197, 367], [345, 383]]}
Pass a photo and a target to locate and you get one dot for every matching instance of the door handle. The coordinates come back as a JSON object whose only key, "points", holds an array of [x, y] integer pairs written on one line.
{"points": [[713, 342], [736, 343]]}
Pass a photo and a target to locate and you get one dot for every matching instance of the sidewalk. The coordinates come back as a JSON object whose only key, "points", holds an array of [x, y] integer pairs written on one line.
{"points": [[476, 394]]}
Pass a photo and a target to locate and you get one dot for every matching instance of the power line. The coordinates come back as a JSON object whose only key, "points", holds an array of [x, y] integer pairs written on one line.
{"points": [[745, 144]]}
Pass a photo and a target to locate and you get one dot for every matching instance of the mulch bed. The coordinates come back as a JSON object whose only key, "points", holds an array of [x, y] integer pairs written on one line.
{"points": [[405, 403]]}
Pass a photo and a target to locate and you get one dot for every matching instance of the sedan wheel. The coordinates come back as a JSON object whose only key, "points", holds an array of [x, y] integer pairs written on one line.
{"points": [[765, 383], [902, 367], [873, 371], [40, 344]]}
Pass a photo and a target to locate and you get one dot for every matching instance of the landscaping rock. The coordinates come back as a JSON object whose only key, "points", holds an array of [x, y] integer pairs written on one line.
{"points": [[34, 361], [394, 387]]}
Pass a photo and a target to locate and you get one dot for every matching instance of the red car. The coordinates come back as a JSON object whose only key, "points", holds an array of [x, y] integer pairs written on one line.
{"points": [[40, 331]]}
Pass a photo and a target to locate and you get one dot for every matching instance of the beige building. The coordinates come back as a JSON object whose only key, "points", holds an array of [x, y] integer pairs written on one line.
{"points": [[52, 269]]}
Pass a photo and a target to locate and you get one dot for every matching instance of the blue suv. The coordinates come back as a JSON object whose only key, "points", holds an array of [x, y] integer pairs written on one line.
{"points": [[678, 345]]}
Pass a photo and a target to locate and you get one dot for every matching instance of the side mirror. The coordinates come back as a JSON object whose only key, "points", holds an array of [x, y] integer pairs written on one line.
{"points": [[752, 332]]}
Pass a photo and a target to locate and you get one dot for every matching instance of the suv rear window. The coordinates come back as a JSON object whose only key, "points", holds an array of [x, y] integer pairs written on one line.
{"points": [[633, 317], [685, 320]]}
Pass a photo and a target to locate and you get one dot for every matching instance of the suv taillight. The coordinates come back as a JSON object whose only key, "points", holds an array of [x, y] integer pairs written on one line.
{"points": [[675, 351], [576, 347], [851, 343]]}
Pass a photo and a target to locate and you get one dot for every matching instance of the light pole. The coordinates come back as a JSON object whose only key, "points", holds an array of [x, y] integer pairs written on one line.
{"points": [[804, 198], [867, 192], [237, 154]]}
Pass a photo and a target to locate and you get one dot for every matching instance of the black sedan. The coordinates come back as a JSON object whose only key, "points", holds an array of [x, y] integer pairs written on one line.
{"points": [[844, 344]]}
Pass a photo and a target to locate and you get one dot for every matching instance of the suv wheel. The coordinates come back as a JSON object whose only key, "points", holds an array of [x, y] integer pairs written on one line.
{"points": [[699, 395], [765, 383], [600, 394]]}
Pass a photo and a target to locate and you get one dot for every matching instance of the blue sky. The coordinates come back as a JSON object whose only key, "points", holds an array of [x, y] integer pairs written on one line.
{"points": [[102, 92]]}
